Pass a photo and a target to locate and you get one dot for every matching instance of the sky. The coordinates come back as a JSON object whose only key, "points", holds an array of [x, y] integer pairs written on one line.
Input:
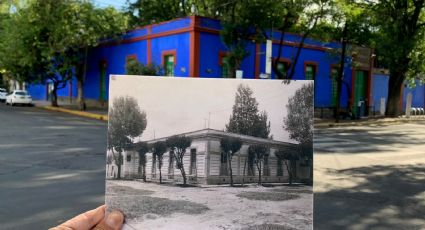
{"points": [[179, 105], [118, 4]]}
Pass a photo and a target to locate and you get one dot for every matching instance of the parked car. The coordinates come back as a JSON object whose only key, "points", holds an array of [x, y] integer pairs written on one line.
{"points": [[19, 97], [3, 94]]}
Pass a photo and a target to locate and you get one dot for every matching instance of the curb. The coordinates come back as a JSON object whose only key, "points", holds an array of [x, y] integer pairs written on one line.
{"points": [[78, 113], [371, 122]]}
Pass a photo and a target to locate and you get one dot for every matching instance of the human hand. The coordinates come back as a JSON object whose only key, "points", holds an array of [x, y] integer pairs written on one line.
{"points": [[94, 220]]}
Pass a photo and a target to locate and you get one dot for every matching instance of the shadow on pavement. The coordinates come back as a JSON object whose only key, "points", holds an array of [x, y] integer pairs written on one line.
{"points": [[389, 197]]}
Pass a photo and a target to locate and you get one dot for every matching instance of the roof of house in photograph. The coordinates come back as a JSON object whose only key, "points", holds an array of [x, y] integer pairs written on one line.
{"points": [[220, 134]]}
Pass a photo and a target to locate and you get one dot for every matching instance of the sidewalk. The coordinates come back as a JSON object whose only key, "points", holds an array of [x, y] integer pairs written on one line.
{"points": [[66, 107], [329, 123]]}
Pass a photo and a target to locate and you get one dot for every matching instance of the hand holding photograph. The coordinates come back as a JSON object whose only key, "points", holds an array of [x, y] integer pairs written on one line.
{"points": [[188, 153]]}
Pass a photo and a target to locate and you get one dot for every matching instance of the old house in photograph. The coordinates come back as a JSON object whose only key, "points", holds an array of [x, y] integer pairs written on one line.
{"points": [[204, 163]]}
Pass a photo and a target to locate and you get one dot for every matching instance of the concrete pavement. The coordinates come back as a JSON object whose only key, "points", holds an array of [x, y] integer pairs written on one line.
{"points": [[370, 177], [52, 166]]}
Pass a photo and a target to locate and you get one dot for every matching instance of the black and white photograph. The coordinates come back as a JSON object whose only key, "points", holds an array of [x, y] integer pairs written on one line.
{"points": [[187, 153]]}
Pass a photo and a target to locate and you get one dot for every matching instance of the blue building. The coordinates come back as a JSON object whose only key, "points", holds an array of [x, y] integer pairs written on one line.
{"points": [[192, 47]]}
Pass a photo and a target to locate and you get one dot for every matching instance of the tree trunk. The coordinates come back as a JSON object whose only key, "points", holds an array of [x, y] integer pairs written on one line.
{"points": [[80, 96], [394, 93], [259, 173], [144, 172], [341, 72], [54, 99], [183, 174], [288, 168], [160, 175], [229, 160]]}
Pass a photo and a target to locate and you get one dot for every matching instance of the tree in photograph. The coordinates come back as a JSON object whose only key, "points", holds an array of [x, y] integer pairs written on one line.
{"points": [[178, 145], [290, 158], [126, 121], [245, 118], [158, 149], [258, 153], [229, 147], [299, 120], [142, 148]]}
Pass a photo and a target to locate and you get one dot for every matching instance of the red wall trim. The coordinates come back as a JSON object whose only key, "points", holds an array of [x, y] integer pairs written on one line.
{"points": [[168, 52], [149, 47], [194, 48], [257, 60]]}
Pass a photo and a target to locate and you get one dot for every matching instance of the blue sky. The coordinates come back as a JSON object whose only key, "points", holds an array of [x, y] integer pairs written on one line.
{"points": [[115, 3]]}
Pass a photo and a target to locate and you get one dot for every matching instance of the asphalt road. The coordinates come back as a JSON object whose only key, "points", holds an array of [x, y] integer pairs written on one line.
{"points": [[370, 177], [52, 167]]}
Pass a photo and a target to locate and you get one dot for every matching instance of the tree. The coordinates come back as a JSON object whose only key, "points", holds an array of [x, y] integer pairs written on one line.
{"points": [[290, 158], [230, 146], [142, 148], [245, 118], [258, 153], [299, 120], [82, 27], [49, 41], [158, 149], [126, 121], [178, 146], [134, 67], [400, 25]]}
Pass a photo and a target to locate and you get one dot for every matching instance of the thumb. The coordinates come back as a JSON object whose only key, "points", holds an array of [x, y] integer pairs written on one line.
{"points": [[113, 221]]}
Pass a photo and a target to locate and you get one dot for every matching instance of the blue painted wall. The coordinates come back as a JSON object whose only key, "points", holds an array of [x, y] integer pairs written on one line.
{"points": [[418, 96], [379, 89]]}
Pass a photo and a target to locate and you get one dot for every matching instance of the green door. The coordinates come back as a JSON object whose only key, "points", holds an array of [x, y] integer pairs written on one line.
{"points": [[360, 89], [169, 65], [102, 82]]}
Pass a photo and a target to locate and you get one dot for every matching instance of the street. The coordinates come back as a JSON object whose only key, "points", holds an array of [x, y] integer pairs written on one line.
{"points": [[51, 166], [370, 177]]}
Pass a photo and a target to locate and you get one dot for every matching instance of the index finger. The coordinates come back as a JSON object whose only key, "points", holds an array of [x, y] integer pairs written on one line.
{"points": [[83, 221]]}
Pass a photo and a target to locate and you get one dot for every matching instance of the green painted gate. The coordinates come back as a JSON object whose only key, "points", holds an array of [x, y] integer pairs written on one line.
{"points": [[360, 90]]}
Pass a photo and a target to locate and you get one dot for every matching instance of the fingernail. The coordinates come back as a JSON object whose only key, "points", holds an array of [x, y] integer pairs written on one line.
{"points": [[115, 220]]}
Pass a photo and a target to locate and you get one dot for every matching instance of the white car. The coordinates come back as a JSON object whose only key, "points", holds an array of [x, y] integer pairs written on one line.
{"points": [[3, 95], [19, 97]]}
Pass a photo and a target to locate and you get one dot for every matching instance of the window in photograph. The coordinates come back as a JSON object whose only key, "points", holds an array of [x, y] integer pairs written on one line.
{"points": [[279, 167], [193, 161], [128, 158], [251, 169], [153, 166], [223, 165], [266, 168], [171, 165]]}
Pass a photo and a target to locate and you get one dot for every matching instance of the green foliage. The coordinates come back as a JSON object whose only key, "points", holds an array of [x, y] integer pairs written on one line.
{"points": [[299, 119], [134, 67], [245, 118], [47, 40]]}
